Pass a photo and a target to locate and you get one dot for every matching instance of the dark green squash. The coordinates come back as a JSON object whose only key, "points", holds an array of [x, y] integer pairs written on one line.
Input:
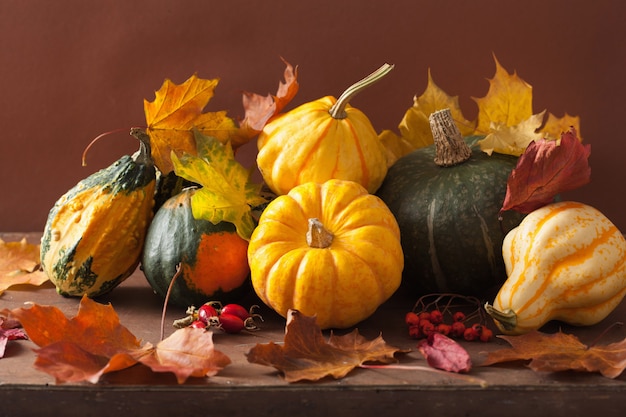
{"points": [[448, 213], [212, 257]]}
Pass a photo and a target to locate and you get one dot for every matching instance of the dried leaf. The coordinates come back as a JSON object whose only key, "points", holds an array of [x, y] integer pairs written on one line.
{"points": [[260, 109], [227, 193], [512, 140], [443, 353], [555, 126], [561, 352], [176, 111], [545, 169], [9, 330], [306, 355], [19, 264], [414, 127], [508, 101], [94, 343]]}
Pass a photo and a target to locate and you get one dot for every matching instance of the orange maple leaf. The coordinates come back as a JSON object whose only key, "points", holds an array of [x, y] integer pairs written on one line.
{"points": [[19, 264], [175, 112], [561, 352], [94, 343], [260, 109], [306, 355]]}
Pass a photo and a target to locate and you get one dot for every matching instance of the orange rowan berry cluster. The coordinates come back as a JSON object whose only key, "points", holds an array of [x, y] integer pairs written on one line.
{"points": [[440, 313]]}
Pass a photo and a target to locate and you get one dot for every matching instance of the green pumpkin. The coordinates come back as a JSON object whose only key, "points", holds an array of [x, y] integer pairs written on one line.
{"points": [[449, 217], [212, 257]]}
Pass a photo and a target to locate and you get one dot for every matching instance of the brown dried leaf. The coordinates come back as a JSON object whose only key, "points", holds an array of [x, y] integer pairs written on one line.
{"points": [[561, 352], [94, 343], [306, 355], [19, 264]]}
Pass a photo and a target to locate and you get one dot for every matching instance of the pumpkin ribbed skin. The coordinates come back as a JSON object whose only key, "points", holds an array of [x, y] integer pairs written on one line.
{"points": [[213, 257], [448, 217], [308, 144], [566, 261], [342, 283], [94, 234]]}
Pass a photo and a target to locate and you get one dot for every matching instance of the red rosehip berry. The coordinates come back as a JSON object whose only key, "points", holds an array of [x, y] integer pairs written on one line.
{"points": [[458, 316], [415, 332], [444, 329], [411, 319], [457, 329], [470, 334], [436, 317], [486, 334]]}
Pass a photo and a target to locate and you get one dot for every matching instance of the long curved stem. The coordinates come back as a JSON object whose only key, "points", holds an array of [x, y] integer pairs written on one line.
{"points": [[338, 110]]}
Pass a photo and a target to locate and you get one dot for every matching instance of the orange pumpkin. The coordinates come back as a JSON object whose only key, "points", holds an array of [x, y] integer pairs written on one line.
{"points": [[322, 140], [331, 250]]}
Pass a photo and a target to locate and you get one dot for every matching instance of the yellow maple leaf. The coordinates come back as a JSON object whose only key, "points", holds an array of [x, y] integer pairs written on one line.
{"points": [[176, 111], [512, 140], [414, 127], [508, 101], [555, 126]]}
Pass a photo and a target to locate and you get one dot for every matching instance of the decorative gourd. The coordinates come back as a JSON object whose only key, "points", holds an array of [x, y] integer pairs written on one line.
{"points": [[566, 261], [94, 234], [331, 250], [212, 257], [320, 140], [448, 212]]}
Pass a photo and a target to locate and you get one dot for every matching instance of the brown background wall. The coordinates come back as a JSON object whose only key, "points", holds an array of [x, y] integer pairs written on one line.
{"points": [[72, 69]]}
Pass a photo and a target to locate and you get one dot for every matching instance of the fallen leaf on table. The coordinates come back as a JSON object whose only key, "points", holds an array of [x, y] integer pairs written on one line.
{"points": [[9, 330], [443, 353], [307, 355], [545, 169], [94, 343], [561, 352], [19, 264], [227, 192]]}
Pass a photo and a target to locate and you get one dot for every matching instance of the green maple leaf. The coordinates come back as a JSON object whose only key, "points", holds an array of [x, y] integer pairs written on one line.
{"points": [[227, 193]]}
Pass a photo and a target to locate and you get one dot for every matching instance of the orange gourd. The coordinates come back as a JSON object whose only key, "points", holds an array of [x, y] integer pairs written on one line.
{"points": [[331, 250]]}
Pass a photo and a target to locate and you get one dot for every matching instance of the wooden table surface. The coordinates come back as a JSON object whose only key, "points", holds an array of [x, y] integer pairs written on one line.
{"points": [[245, 389]]}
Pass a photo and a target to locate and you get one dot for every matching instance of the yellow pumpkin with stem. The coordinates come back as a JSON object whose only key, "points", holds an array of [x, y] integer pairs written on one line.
{"points": [[331, 250], [565, 261], [321, 140]]}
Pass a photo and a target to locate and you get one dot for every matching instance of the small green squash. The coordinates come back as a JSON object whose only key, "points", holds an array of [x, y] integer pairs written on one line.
{"points": [[212, 257], [93, 237], [446, 198]]}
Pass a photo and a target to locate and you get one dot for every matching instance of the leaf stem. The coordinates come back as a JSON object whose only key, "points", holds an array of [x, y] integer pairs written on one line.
{"points": [[167, 298], [465, 377]]}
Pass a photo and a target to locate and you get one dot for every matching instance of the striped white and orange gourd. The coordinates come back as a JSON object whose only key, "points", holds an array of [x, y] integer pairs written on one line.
{"points": [[565, 261]]}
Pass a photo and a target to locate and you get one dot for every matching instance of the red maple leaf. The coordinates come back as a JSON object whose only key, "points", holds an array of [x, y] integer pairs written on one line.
{"points": [[545, 170]]}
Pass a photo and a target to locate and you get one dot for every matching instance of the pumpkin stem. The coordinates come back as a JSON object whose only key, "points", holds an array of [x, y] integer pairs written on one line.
{"points": [[508, 319], [338, 110], [144, 155], [450, 148], [318, 236]]}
